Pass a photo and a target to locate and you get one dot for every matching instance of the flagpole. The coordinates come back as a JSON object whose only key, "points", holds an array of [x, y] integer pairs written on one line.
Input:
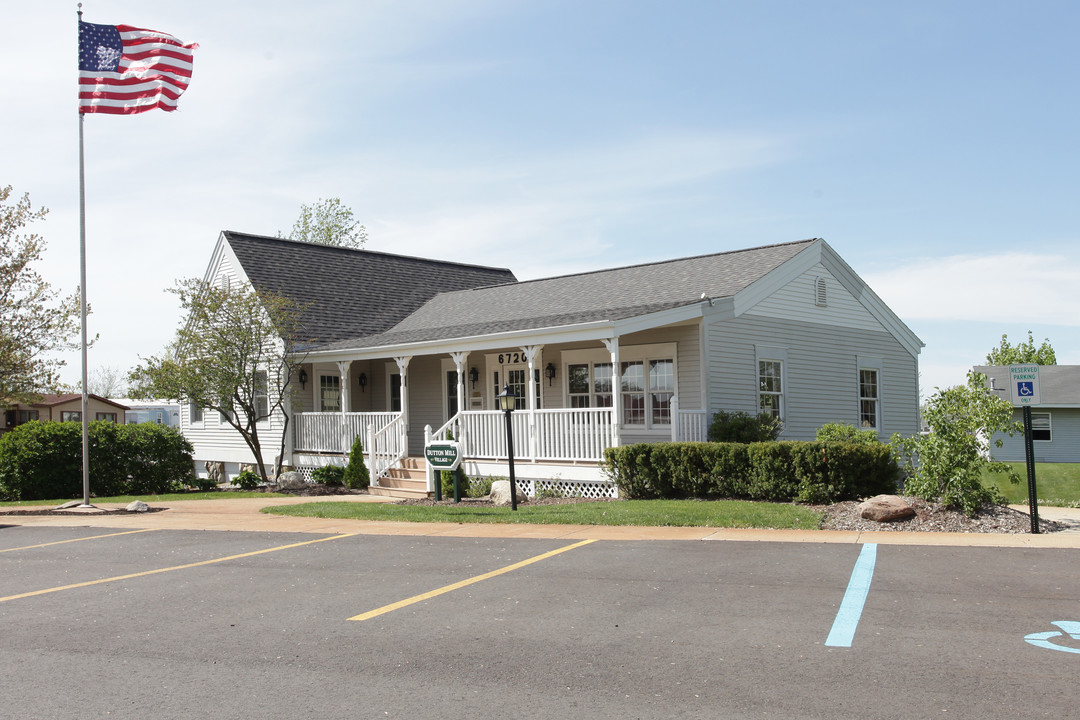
{"points": [[82, 309]]}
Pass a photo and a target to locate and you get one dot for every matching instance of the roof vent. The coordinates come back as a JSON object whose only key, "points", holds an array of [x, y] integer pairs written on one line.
{"points": [[821, 297]]}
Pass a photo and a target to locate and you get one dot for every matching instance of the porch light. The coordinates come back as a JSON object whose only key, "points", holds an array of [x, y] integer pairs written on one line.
{"points": [[549, 373], [506, 401], [302, 377], [363, 381], [474, 375]]}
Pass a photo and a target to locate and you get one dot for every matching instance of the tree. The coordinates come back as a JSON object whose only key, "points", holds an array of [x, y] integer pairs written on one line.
{"points": [[328, 222], [235, 355], [1022, 352], [948, 462], [34, 321], [107, 381]]}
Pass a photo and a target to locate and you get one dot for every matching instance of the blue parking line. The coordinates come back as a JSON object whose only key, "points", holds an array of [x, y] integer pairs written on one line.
{"points": [[847, 618]]}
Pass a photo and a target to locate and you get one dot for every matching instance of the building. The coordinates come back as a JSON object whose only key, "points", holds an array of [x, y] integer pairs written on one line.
{"points": [[643, 353], [1055, 422], [66, 407]]}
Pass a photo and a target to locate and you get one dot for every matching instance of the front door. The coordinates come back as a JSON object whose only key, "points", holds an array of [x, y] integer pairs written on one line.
{"points": [[513, 369]]}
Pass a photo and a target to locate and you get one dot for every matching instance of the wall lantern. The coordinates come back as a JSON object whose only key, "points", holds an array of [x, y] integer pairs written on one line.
{"points": [[549, 373], [302, 378], [474, 375], [363, 381], [506, 400]]}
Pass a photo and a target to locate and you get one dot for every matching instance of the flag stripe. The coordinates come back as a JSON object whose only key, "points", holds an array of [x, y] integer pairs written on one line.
{"points": [[125, 69]]}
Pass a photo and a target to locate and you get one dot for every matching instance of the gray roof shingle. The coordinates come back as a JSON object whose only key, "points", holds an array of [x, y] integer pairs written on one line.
{"points": [[351, 293], [605, 295]]}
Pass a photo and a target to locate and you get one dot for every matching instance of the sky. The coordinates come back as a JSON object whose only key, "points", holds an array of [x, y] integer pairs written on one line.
{"points": [[933, 144]]}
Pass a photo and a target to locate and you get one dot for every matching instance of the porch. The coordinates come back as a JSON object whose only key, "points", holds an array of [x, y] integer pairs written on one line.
{"points": [[558, 449]]}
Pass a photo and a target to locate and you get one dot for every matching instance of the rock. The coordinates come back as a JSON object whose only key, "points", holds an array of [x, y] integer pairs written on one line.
{"points": [[137, 506], [69, 505], [500, 493], [291, 481], [216, 471], [885, 508]]}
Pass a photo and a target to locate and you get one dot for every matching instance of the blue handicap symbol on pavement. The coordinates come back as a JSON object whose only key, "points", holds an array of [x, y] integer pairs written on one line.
{"points": [[1069, 629], [1025, 388]]}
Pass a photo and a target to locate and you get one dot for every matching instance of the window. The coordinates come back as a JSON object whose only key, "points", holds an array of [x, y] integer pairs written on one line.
{"points": [[330, 393], [261, 396], [224, 418], [111, 417], [451, 393], [868, 399], [395, 392], [770, 387], [1040, 427], [27, 416], [647, 401], [70, 416], [632, 389], [195, 413], [589, 385], [661, 390]]}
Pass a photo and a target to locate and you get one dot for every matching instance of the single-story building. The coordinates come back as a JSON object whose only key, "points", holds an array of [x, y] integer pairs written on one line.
{"points": [[66, 407], [158, 412], [642, 353], [1055, 422]]}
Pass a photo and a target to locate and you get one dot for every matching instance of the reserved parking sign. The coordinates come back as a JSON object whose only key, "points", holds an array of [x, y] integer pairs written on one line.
{"points": [[1024, 381]]}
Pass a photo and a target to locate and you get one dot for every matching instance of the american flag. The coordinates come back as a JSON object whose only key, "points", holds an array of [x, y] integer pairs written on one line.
{"points": [[124, 69]]}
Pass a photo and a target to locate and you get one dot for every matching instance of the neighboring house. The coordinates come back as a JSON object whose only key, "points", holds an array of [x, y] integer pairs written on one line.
{"points": [[634, 354], [158, 412], [1055, 422], [63, 408]]}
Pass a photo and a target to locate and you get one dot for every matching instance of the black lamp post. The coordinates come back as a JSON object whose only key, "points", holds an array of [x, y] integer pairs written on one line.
{"points": [[506, 404]]}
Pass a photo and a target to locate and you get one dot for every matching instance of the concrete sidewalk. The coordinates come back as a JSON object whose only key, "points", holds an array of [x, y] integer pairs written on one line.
{"points": [[244, 514]]}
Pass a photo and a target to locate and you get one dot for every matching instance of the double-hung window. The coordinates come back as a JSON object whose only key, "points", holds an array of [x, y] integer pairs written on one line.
{"points": [[1040, 427], [261, 396], [645, 382], [771, 387], [868, 399], [329, 393]]}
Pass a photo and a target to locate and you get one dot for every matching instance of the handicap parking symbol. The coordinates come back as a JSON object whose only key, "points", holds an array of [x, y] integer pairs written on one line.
{"points": [[1025, 388], [1069, 629]]}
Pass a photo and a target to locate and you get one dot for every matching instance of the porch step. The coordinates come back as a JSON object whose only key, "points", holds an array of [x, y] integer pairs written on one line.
{"points": [[408, 481]]}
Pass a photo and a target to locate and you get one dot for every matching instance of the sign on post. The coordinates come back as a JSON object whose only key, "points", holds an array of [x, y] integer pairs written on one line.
{"points": [[443, 455], [1024, 381]]}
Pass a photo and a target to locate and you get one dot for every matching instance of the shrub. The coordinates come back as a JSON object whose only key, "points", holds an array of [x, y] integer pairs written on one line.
{"points": [[356, 472], [247, 480], [446, 477], [776, 471], [481, 486], [842, 432], [43, 460], [329, 475], [203, 484], [741, 427]]}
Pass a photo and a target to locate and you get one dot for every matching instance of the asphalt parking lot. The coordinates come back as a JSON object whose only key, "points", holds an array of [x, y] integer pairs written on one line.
{"points": [[134, 623]]}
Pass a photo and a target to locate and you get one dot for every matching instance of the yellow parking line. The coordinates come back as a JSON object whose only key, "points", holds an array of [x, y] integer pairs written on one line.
{"points": [[448, 588], [170, 569], [92, 537]]}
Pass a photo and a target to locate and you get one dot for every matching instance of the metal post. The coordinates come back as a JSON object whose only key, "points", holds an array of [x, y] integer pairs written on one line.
{"points": [[510, 453], [1029, 450]]}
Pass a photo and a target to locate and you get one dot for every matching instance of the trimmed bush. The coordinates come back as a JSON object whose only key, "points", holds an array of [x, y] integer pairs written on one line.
{"points": [[43, 460], [247, 480], [810, 472], [842, 432], [329, 475], [740, 427], [356, 472]]}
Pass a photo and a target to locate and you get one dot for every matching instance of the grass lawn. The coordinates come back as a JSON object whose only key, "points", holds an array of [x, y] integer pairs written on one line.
{"points": [[1056, 484], [166, 497], [675, 513]]}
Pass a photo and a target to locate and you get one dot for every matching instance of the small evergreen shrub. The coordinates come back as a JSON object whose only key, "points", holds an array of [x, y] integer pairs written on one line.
{"points": [[741, 427], [842, 432], [329, 475], [356, 472], [481, 486]]}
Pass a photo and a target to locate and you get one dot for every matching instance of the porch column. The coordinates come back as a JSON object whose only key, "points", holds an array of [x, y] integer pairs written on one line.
{"points": [[461, 360], [675, 419], [343, 401], [403, 369], [531, 352], [290, 436], [616, 386]]}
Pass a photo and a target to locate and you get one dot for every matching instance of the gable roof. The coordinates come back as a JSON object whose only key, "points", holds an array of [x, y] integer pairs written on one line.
{"points": [[605, 295], [351, 293], [1059, 385], [51, 400]]}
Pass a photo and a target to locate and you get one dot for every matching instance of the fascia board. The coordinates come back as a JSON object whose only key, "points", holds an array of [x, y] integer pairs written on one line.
{"points": [[855, 285], [659, 319]]}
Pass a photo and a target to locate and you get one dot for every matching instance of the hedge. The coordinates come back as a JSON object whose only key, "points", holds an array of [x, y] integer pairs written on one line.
{"points": [[43, 460], [811, 472]]}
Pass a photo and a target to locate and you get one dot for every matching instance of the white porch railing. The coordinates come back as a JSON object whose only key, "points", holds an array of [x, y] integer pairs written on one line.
{"points": [[691, 426], [386, 448], [564, 435], [334, 431]]}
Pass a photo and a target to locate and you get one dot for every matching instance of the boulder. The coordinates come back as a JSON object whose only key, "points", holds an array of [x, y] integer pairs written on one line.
{"points": [[500, 493], [885, 508], [291, 481], [216, 471], [137, 506]]}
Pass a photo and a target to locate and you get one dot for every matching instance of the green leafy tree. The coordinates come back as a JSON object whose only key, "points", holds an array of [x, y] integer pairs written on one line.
{"points": [[328, 222], [948, 462], [234, 354], [1022, 352], [34, 321]]}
